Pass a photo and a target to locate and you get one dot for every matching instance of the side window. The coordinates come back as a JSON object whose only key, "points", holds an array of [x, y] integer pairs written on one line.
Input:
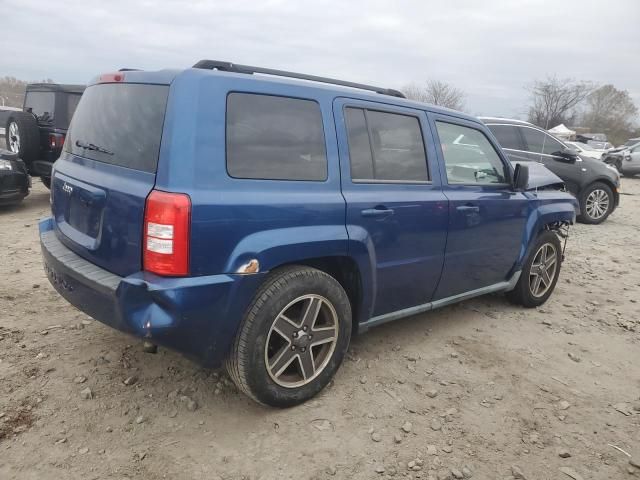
{"points": [[41, 104], [551, 145], [359, 146], [534, 139], [469, 157], [385, 146], [507, 136], [540, 142], [274, 138]]}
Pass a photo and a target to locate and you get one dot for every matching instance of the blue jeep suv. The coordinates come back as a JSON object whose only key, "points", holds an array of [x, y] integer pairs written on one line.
{"points": [[258, 219]]}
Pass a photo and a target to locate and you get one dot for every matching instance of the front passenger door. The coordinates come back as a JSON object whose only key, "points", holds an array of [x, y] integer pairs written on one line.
{"points": [[486, 216]]}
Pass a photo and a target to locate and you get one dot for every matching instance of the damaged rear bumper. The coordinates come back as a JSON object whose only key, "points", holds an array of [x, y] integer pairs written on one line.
{"points": [[197, 316]]}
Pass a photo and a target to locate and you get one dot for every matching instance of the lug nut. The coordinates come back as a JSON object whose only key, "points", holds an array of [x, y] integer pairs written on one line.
{"points": [[305, 328], [295, 334], [293, 347], [303, 349], [309, 336]]}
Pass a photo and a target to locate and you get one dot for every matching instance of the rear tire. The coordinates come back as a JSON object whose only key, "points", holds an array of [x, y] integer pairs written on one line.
{"points": [[596, 203], [22, 136], [536, 285], [293, 338]]}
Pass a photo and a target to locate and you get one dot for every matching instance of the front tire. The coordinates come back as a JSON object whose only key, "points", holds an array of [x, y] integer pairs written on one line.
{"points": [[596, 203], [540, 272], [293, 338]]}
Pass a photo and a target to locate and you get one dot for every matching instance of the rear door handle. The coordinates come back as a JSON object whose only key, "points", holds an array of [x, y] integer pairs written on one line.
{"points": [[379, 211], [468, 209]]}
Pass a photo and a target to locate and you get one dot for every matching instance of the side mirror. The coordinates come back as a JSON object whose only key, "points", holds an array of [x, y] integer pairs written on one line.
{"points": [[566, 154], [521, 177]]}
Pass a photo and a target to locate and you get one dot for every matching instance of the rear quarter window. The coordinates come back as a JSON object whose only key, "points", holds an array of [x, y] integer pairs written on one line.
{"points": [[274, 138]]}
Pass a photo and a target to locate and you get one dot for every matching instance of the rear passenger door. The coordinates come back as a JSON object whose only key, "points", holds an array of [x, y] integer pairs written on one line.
{"points": [[395, 205]]}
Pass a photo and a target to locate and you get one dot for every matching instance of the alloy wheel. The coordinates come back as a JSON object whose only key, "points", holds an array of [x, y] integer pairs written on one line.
{"points": [[14, 137], [301, 341], [597, 204], [543, 270]]}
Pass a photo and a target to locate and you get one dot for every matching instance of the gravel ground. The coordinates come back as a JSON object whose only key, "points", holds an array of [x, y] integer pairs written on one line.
{"points": [[481, 389]]}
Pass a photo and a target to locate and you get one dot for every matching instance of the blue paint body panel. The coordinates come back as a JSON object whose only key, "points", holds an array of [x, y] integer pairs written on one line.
{"points": [[425, 253]]}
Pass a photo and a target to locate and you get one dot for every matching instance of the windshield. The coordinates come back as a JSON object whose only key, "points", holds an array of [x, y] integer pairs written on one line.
{"points": [[120, 124]]}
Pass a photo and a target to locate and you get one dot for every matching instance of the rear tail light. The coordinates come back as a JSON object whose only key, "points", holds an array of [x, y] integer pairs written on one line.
{"points": [[56, 140], [111, 77], [167, 222]]}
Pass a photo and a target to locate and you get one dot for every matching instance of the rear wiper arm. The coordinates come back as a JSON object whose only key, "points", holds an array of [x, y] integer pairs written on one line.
{"points": [[92, 146]]}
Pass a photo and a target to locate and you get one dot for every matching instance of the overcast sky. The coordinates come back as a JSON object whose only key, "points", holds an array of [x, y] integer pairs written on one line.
{"points": [[491, 49]]}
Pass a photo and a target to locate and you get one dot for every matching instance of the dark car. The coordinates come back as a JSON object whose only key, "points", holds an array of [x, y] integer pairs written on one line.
{"points": [[14, 180], [258, 221], [594, 183], [37, 133]]}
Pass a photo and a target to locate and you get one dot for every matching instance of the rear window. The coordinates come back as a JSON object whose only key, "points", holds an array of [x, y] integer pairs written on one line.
{"points": [[119, 124], [275, 138], [41, 104]]}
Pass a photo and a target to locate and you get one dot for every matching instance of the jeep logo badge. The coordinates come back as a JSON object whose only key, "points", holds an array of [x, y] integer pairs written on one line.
{"points": [[67, 188]]}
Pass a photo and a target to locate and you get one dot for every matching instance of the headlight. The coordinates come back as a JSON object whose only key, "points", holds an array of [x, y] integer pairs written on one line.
{"points": [[5, 165]]}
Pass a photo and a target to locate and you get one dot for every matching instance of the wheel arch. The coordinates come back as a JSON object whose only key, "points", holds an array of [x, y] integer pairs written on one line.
{"points": [[348, 274], [545, 216]]}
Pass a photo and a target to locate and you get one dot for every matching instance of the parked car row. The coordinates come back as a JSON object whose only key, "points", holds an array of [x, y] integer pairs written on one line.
{"points": [[626, 159]]}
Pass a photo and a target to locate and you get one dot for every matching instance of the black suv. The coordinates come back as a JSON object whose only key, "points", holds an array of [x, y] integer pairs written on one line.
{"points": [[594, 183], [37, 133]]}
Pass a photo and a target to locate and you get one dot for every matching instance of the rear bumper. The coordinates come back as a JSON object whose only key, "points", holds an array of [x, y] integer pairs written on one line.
{"points": [[197, 316]]}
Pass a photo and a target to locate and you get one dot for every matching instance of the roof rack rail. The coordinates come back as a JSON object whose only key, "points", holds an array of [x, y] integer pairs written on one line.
{"points": [[234, 67]]}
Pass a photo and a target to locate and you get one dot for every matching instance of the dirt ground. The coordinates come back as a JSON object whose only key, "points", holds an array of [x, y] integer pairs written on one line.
{"points": [[481, 389]]}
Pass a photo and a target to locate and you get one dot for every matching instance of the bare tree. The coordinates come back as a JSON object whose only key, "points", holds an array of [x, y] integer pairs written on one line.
{"points": [[436, 92], [611, 111], [555, 101]]}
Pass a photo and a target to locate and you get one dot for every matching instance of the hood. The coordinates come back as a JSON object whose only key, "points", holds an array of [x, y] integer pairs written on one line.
{"points": [[540, 176], [617, 149]]}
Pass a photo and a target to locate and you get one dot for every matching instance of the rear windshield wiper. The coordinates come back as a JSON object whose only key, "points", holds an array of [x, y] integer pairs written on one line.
{"points": [[93, 147]]}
